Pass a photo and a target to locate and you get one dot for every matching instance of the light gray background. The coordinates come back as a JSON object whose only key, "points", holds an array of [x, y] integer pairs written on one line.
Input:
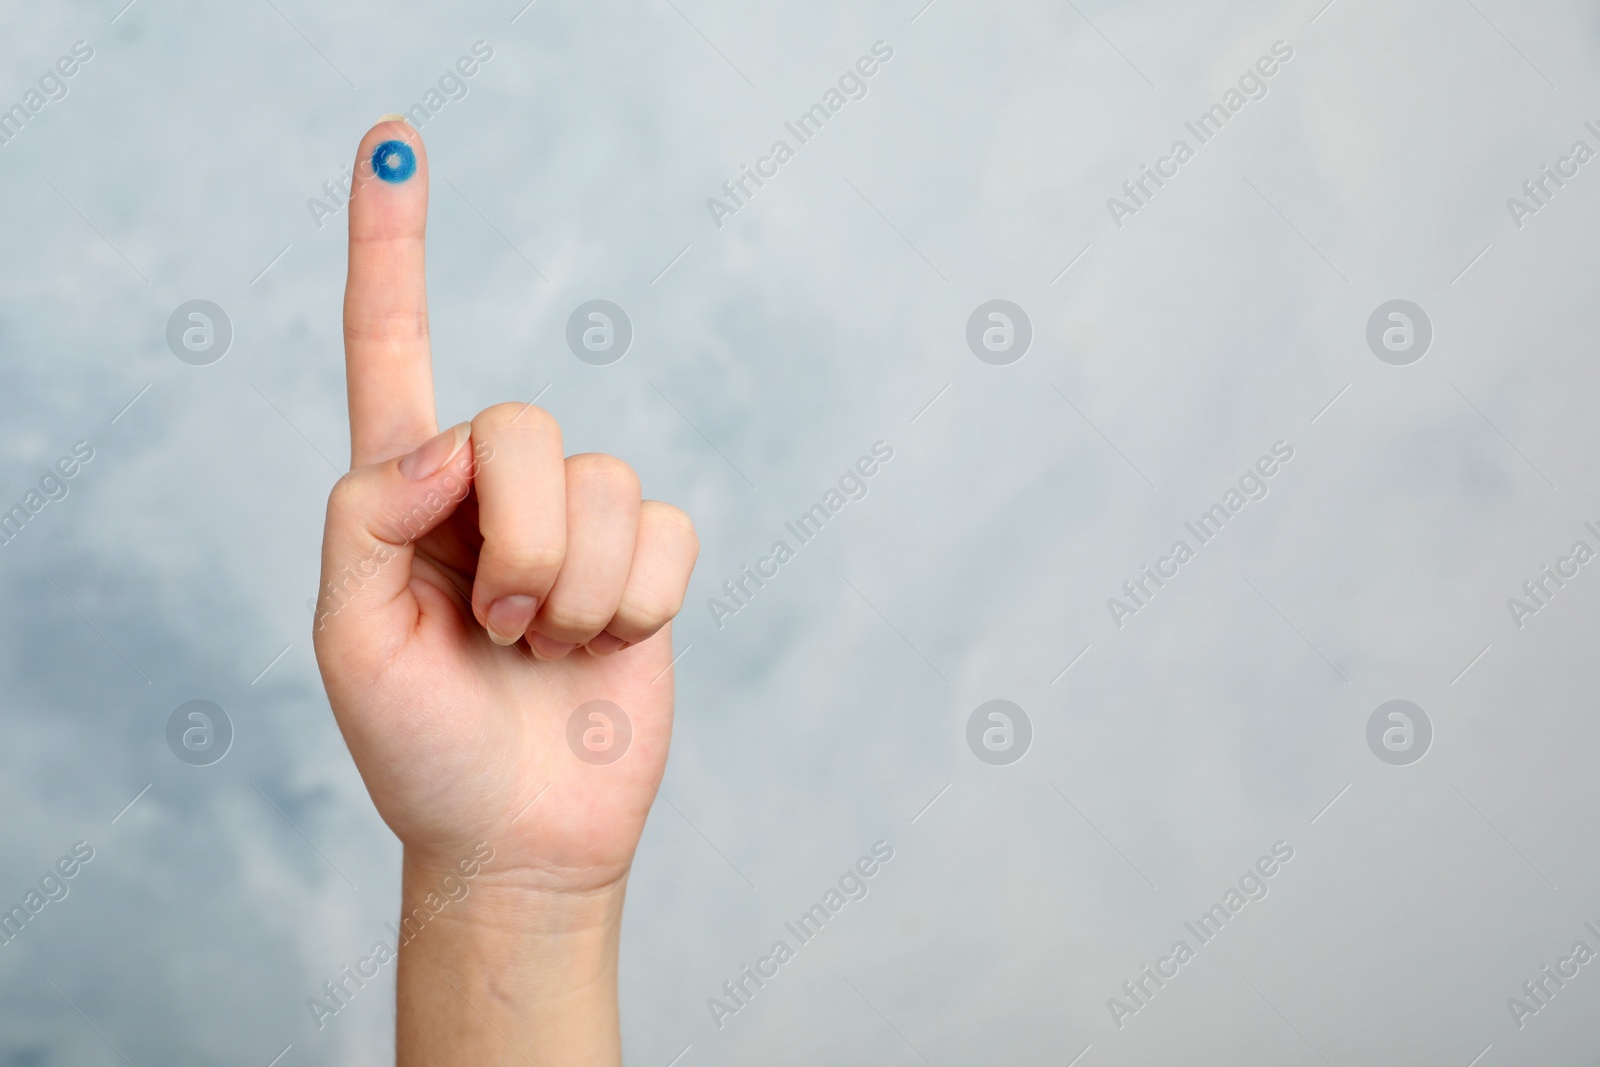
{"points": [[825, 316]]}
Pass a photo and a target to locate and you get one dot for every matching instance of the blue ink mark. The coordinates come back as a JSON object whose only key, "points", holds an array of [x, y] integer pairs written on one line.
{"points": [[393, 161]]}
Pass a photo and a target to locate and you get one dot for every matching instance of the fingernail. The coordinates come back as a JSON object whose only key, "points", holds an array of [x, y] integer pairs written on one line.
{"points": [[545, 648], [391, 117], [430, 458], [508, 617], [606, 644]]}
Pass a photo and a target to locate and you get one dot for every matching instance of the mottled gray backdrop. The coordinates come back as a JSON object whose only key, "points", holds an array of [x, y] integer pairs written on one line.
{"points": [[1179, 732]]}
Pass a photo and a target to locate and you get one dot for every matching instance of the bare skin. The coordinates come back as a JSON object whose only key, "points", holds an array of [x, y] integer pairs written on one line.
{"points": [[478, 587]]}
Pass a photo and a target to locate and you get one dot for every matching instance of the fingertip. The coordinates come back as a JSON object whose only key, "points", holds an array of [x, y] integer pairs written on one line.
{"points": [[546, 648], [508, 617], [606, 644], [390, 127], [394, 124], [391, 168], [435, 454]]}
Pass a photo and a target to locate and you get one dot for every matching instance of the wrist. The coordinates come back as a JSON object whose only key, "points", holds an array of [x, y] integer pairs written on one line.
{"points": [[492, 962], [487, 887]]}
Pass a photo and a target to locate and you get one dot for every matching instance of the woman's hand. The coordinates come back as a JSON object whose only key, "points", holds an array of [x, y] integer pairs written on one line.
{"points": [[479, 588]]}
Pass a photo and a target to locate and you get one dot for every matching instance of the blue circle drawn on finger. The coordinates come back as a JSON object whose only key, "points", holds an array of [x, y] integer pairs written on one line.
{"points": [[394, 161]]}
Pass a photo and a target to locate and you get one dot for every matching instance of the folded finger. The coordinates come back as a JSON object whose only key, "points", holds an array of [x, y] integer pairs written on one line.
{"points": [[522, 515], [602, 527], [658, 578]]}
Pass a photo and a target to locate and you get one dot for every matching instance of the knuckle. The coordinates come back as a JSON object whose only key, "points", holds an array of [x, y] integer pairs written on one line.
{"points": [[608, 472], [514, 417], [343, 497], [380, 327], [643, 615], [676, 520], [538, 563], [498, 414], [575, 619], [648, 608]]}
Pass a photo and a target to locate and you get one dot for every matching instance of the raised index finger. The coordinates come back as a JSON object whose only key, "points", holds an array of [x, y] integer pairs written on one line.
{"points": [[388, 369]]}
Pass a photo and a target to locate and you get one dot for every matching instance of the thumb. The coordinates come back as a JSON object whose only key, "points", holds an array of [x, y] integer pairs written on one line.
{"points": [[375, 515]]}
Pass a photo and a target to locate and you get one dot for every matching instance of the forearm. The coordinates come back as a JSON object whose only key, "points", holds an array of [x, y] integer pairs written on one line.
{"points": [[507, 974]]}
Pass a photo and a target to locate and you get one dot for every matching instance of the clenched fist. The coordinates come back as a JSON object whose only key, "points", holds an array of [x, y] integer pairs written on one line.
{"points": [[479, 586]]}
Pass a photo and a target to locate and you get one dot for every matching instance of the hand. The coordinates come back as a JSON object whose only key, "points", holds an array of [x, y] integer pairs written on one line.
{"points": [[477, 588]]}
